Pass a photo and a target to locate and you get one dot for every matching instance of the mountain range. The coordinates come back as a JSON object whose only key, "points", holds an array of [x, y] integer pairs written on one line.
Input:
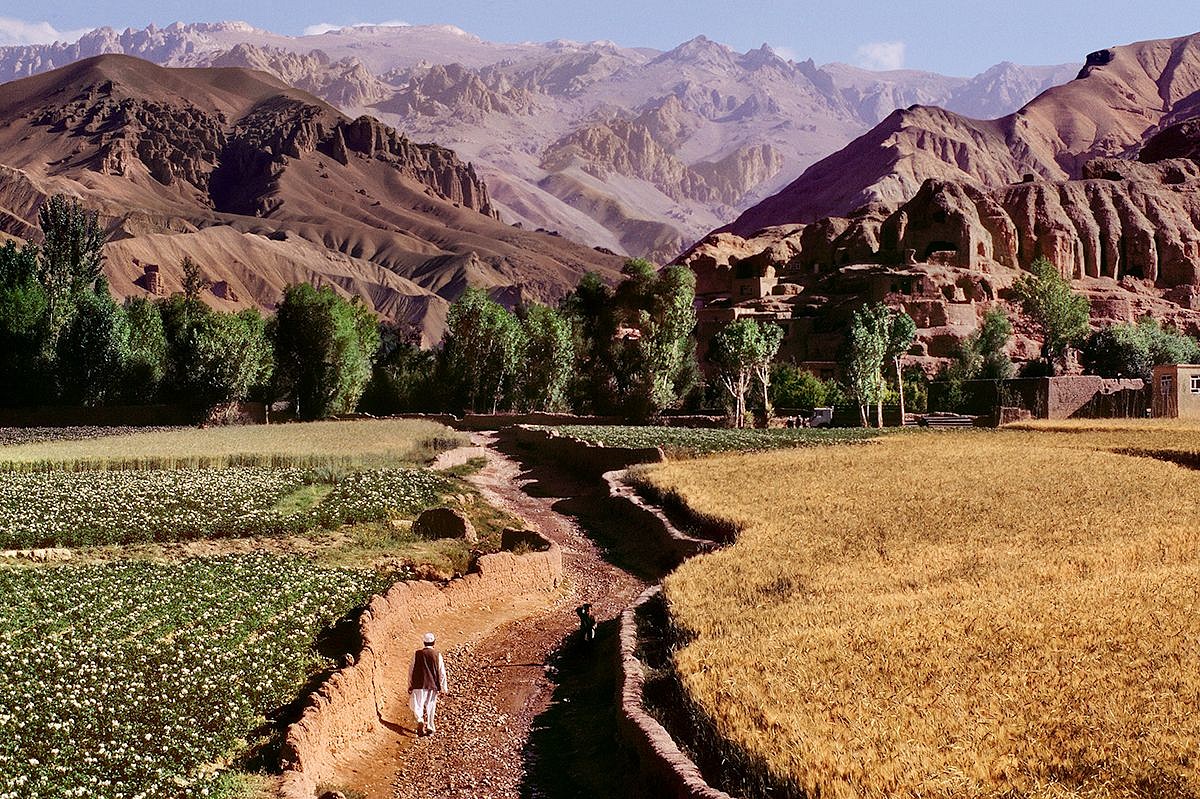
{"points": [[635, 150], [264, 185], [1121, 98]]}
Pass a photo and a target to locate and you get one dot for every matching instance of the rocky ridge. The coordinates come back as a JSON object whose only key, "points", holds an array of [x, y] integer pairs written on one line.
{"points": [[1121, 98], [940, 214], [635, 150]]}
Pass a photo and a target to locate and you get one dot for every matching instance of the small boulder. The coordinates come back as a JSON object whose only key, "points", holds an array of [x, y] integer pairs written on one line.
{"points": [[444, 523], [512, 539]]}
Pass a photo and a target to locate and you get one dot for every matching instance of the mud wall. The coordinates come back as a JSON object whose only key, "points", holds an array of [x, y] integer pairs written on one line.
{"points": [[584, 456], [673, 773], [681, 545], [1063, 397], [347, 706]]}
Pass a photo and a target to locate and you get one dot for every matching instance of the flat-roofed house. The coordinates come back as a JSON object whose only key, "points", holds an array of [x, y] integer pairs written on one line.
{"points": [[1176, 391]]}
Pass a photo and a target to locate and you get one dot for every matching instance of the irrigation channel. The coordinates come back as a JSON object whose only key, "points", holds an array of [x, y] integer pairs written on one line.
{"points": [[532, 710]]}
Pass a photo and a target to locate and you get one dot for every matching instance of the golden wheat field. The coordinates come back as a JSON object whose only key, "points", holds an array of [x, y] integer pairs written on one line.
{"points": [[303, 444], [987, 614]]}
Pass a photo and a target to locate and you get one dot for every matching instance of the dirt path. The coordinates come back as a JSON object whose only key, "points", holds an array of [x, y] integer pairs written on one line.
{"points": [[505, 679]]}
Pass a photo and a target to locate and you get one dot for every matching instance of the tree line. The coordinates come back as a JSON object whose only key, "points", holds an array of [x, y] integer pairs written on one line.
{"points": [[627, 349], [64, 339], [623, 350]]}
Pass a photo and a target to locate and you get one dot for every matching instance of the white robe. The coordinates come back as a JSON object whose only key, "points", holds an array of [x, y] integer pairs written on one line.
{"points": [[423, 702]]}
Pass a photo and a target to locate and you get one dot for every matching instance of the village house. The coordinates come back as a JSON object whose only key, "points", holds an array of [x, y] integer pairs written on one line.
{"points": [[1177, 391]]}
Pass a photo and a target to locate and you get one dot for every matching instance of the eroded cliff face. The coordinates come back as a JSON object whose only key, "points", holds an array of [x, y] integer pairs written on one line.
{"points": [[1122, 220], [233, 164], [1127, 233], [632, 148], [344, 82]]}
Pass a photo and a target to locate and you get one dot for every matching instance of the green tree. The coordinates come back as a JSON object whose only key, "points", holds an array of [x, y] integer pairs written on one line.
{"points": [[864, 354], [901, 333], [590, 309], [325, 348], [179, 316], [983, 355], [194, 282], [71, 257], [989, 347], [549, 359], [666, 339], [1134, 350], [92, 349], [146, 364], [794, 387], [1059, 314], [634, 345], [402, 380], [23, 373], [743, 351], [482, 352], [227, 357]]}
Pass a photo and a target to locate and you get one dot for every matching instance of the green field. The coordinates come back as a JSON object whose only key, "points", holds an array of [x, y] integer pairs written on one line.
{"points": [[693, 442], [370, 443], [92, 508], [140, 680]]}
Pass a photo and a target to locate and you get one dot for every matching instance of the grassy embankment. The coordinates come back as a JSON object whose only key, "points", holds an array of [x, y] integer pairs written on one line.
{"points": [[986, 614]]}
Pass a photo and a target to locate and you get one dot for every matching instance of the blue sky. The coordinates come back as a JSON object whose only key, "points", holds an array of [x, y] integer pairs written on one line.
{"points": [[960, 37]]}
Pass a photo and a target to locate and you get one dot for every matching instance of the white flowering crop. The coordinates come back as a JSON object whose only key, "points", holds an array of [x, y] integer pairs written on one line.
{"points": [[132, 679], [75, 509]]}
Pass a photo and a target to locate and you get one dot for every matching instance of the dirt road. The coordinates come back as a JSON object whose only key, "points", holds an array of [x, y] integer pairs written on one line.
{"points": [[530, 712]]}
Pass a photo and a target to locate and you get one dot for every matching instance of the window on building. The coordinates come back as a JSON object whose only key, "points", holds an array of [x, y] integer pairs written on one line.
{"points": [[1195, 386], [1164, 385]]}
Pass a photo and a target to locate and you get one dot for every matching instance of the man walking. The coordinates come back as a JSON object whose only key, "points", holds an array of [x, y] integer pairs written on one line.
{"points": [[427, 679]]}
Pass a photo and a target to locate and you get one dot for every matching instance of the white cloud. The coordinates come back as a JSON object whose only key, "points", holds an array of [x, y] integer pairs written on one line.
{"points": [[881, 56], [326, 27], [19, 31]]}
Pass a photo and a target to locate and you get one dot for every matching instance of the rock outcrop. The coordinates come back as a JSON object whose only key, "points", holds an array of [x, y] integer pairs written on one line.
{"points": [[631, 148], [1127, 233]]}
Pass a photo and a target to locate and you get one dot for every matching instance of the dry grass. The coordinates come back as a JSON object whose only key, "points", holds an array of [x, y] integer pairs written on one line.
{"points": [[373, 442], [987, 614]]}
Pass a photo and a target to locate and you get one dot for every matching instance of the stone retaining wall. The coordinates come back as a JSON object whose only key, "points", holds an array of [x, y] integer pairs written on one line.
{"points": [[664, 764], [346, 707], [585, 456]]}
